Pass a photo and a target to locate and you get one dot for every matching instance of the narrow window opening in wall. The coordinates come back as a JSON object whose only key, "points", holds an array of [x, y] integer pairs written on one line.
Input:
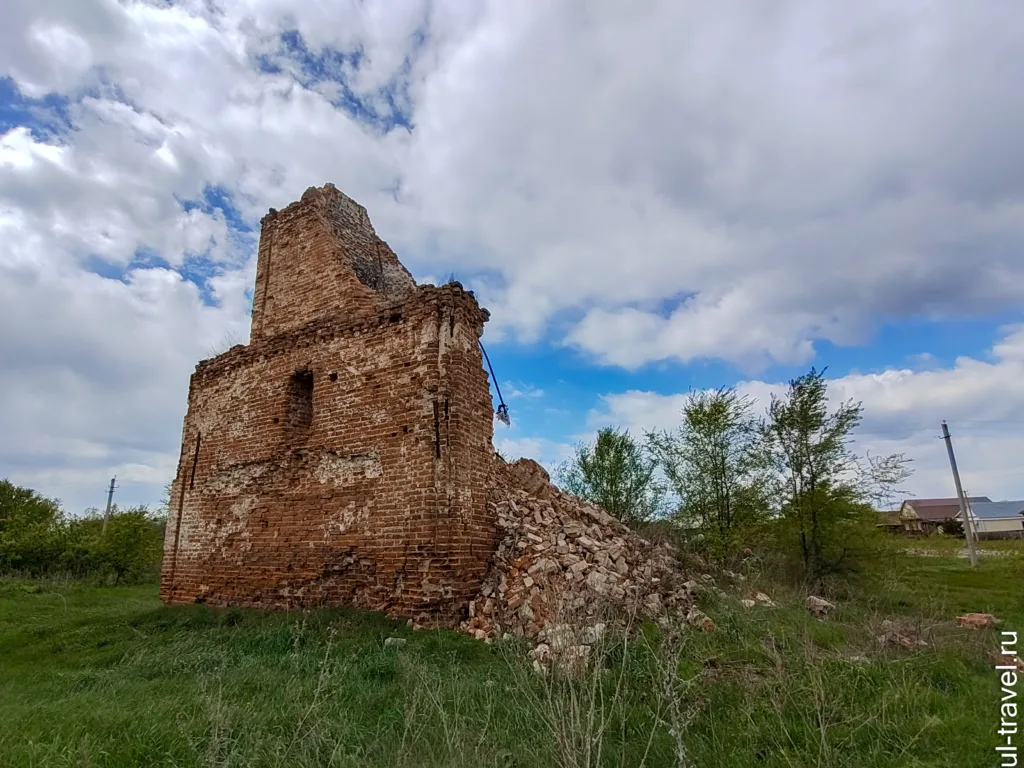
{"points": [[300, 400], [333, 376], [396, 317]]}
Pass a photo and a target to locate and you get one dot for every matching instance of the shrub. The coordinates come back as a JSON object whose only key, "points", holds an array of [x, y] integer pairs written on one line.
{"points": [[952, 527], [38, 539], [131, 548]]}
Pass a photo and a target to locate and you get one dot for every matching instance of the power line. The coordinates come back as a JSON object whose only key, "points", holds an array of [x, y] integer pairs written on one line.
{"points": [[988, 421], [924, 424], [910, 430]]}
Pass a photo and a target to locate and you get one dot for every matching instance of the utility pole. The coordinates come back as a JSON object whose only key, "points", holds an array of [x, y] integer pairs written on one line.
{"points": [[968, 525], [110, 499]]}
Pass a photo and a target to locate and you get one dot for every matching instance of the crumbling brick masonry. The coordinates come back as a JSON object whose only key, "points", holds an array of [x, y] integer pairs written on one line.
{"points": [[342, 457]]}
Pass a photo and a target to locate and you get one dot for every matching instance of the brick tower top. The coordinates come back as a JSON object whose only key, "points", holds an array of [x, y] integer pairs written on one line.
{"points": [[320, 256]]}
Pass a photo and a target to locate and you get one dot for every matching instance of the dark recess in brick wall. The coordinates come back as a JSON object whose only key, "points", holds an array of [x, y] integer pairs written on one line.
{"points": [[300, 400]]}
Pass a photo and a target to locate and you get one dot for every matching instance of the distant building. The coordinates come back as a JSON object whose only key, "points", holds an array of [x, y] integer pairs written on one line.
{"points": [[926, 515], [890, 521], [997, 519]]}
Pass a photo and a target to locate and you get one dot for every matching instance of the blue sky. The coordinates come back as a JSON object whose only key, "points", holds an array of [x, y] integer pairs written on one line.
{"points": [[563, 398], [679, 196]]}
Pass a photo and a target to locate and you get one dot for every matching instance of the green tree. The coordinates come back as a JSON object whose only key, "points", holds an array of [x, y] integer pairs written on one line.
{"points": [[826, 490], [715, 465], [614, 473], [31, 529], [21, 507]]}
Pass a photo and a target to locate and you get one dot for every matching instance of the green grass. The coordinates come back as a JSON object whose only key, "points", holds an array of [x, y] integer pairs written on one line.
{"points": [[107, 676], [949, 545]]}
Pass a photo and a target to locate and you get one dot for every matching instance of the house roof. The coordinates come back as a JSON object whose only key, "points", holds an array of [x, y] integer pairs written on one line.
{"points": [[915, 503], [997, 510], [936, 510]]}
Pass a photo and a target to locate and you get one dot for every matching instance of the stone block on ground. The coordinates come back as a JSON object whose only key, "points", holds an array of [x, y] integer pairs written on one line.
{"points": [[819, 606], [977, 621]]}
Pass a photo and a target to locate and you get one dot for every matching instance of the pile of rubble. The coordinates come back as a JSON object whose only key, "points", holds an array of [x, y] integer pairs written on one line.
{"points": [[564, 569]]}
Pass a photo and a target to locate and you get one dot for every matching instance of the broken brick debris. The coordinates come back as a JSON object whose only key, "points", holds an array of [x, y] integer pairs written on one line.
{"points": [[563, 567]]}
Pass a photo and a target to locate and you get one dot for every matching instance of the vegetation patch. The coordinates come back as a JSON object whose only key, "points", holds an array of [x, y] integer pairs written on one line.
{"points": [[107, 676]]}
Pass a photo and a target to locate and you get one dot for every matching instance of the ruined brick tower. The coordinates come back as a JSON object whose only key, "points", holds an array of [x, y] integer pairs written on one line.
{"points": [[342, 457]]}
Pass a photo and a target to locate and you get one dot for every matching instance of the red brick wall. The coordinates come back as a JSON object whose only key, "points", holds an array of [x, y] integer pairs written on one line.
{"points": [[319, 257], [342, 457]]}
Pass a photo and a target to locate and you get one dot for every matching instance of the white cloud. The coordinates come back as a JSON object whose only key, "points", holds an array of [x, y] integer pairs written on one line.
{"points": [[672, 180], [94, 371], [513, 389], [982, 400], [712, 182], [635, 169]]}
